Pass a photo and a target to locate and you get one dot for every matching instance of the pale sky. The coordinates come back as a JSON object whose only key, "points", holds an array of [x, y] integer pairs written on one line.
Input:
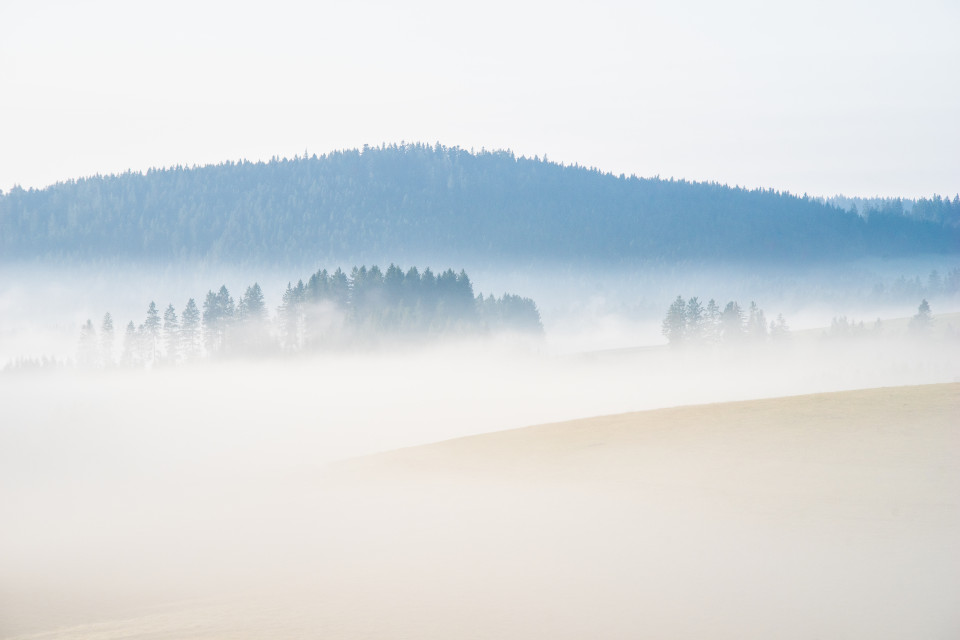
{"points": [[859, 98]]}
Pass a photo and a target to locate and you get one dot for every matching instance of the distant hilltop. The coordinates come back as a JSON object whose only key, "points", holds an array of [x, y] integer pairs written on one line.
{"points": [[423, 202]]}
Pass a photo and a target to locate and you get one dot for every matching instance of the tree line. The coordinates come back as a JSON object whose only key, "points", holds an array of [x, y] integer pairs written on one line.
{"points": [[330, 310], [408, 201], [903, 288], [692, 323], [920, 325]]}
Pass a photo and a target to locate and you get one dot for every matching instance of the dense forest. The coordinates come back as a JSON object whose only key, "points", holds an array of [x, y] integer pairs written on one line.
{"points": [[329, 311], [416, 202]]}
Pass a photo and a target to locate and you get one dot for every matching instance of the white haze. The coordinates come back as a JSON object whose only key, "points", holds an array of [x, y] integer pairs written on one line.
{"points": [[142, 472], [584, 307], [130, 493]]}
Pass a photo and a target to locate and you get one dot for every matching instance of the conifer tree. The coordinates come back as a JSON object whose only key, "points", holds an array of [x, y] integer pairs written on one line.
{"points": [[218, 316], [226, 315], [291, 317], [151, 333], [393, 285], [675, 323], [428, 296], [141, 346], [731, 323], [190, 331], [129, 357], [712, 321], [171, 335], [106, 341], [211, 323], [695, 329], [252, 320], [339, 288], [756, 323], [779, 331], [921, 323]]}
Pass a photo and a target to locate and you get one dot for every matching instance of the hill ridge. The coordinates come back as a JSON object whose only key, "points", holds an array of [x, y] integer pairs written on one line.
{"points": [[419, 202]]}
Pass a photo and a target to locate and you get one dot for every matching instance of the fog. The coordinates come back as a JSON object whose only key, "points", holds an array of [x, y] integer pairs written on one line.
{"points": [[205, 498], [584, 307]]}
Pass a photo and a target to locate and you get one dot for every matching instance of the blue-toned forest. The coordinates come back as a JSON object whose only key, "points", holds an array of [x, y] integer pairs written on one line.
{"points": [[422, 202]]}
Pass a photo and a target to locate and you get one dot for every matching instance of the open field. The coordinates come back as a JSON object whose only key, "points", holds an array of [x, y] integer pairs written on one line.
{"points": [[830, 515]]}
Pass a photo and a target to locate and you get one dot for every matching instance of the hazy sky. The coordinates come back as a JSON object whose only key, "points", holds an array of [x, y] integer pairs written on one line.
{"points": [[861, 98]]}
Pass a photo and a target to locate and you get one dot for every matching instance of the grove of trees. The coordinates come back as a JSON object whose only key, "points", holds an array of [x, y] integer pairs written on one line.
{"points": [[329, 311], [692, 323]]}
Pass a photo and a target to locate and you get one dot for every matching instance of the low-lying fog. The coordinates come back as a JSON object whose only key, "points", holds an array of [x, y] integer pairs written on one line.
{"points": [[143, 486], [584, 307]]}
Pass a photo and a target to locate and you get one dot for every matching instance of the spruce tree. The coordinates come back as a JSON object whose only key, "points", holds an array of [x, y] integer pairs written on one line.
{"points": [[731, 323], [151, 333], [675, 323], [211, 322], [779, 331], [171, 335], [695, 322], [291, 316], [190, 331], [712, 321], [340, 288], [106, 341], [226, 315], [756, 323], [129, 357], [251, 326], [922, 322]]}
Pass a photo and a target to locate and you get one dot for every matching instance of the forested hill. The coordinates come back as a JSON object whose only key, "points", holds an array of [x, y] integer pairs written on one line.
{"points": [[413, 202]]}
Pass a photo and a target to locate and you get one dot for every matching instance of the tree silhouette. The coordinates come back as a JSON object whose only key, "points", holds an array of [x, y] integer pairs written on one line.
{"points": [[106, 341], [922, 322], [675, 323]]}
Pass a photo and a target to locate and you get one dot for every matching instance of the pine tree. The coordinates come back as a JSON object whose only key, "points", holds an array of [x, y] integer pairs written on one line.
{"points": [[141, 346], [211, 323], [464, 301], [291, 316], [731, 323], [340, 289], [756, 323], [171, 335], [151, 329], [922, 322], [106, 341], [428, 297], [675, 323], [226, 315], [251, 326], [712, 321], [130, 347], [190, 331], [393, 285], [779, 331], [695, 322]]}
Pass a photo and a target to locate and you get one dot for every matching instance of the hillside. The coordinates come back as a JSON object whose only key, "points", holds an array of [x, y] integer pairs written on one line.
{"points": [[415, 202], [829, 515]]}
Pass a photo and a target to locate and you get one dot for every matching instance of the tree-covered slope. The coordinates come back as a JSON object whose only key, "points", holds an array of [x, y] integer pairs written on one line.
{"points": [[415, 201]]}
